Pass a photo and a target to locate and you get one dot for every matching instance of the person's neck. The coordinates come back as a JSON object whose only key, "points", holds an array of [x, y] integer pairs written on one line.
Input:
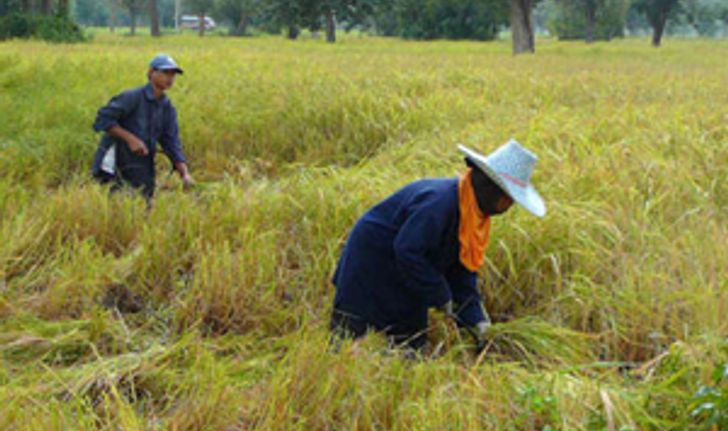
{"points": [[158, 92]]}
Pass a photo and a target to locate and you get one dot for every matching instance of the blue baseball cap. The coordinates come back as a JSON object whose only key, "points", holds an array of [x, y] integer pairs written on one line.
{"points": [[165, 62]]}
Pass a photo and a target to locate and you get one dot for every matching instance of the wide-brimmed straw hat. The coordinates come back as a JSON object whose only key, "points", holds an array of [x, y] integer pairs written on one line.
{"points": [[511, 166]]}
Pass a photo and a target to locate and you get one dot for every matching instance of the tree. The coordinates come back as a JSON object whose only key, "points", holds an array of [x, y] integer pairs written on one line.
{"points": [[637, 22], [318, 14], [9, 6], [47, 7], [44, 7], [522, 26], [63, 7], [239, 13], [351, 12], [657, 13], [154, 18], [39, 19], [134, 6], [201, 8], [285, 13], [706, 16], [450, 19], [590, 9], [329, 10], [91, 12], [114, 12], [384, 21], [588, 19], [167, 12]]}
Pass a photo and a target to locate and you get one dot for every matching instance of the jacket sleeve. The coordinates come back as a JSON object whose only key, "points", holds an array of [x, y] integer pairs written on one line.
{"points": [[415, 242], [118, 107], [468, 302], [169, 138]]}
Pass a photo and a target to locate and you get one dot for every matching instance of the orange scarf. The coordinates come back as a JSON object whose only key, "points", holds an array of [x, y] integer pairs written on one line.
{"points": [[474, 231]]}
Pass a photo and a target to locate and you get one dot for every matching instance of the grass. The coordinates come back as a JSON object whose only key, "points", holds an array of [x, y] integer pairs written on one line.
{"points": [[609, 312]]}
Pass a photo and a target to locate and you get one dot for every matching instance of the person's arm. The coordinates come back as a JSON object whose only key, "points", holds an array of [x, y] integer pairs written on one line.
{"points": [[469, 307], [418, 238], [170, 142], [184, 171], [470, 313], [136, 145], [108, 117]]}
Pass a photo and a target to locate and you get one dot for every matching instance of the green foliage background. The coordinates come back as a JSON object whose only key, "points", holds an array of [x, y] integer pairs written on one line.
{"points": [[567, 19], [50, 28]]}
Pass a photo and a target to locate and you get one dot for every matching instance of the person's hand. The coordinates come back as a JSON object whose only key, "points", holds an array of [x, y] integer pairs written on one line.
{"points": [[447, 308], [481, 330], [137, 146], [187, 181]]}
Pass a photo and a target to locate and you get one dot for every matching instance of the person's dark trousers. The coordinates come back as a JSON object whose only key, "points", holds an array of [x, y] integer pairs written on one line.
{"points": [[134, 171], [346, 325]]}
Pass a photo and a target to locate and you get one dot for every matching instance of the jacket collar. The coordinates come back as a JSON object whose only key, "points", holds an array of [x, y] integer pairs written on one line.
{"points": [[149, 94]]}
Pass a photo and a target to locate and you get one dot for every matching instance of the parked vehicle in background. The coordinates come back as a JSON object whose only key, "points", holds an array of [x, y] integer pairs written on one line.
{"points": [[193, 22]]}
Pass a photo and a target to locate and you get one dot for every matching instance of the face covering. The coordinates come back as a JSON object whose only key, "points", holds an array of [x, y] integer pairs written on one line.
{"points": [[474, 230], [487, 192]]}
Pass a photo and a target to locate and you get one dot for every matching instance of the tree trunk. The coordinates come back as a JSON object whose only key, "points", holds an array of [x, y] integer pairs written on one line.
{"points": [[154, 18], [293, 32], [63, 7], [658, 28], [132, 17], [176, 15], [47, 7], [201, 24], [591, 21], [330, 26], [242, 26], [112, 18], [522, 27]]}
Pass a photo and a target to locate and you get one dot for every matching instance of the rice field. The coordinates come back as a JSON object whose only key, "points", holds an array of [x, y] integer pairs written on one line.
{"points": [[210, 311]]}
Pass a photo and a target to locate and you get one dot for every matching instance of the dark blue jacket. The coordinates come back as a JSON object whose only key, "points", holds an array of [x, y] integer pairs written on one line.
{"points": [[149, 119], [403, 257]]}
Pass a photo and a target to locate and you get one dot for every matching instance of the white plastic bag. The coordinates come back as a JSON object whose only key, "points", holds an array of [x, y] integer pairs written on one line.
{"points": [[109, 160]]}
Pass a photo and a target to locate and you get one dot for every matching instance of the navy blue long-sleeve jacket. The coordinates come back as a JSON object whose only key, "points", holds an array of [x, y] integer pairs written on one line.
{"points": [[403, 257], [149, 119]]}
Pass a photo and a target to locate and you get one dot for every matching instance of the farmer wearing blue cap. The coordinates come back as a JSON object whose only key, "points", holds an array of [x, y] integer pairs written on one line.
{"points": [[421, 248], [133, 123]]}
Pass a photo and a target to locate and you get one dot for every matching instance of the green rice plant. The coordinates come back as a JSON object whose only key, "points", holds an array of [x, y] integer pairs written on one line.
{"points": [[532, 341]]}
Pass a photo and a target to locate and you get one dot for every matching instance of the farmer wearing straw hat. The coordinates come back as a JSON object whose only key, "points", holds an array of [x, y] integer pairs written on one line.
{"points": [[422, 247], [134, 122]]}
